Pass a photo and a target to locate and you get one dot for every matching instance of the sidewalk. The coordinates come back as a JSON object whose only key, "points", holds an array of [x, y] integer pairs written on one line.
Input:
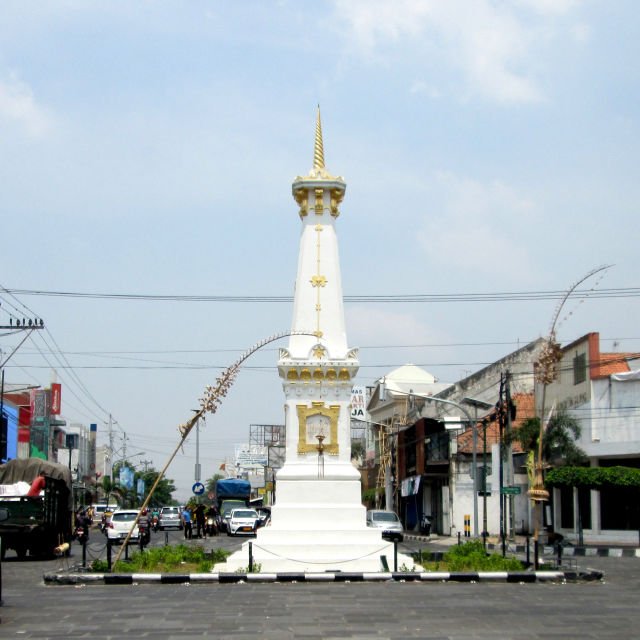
{"points": [[519, 546]]}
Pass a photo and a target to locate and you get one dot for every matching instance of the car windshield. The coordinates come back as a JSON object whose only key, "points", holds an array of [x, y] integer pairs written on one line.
{"points": [[124, 517], [244, 514], [169, 511], [385, 516]]}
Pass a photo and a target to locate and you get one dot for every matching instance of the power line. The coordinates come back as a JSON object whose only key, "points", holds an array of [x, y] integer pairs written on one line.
{"points": [[502, 296]]}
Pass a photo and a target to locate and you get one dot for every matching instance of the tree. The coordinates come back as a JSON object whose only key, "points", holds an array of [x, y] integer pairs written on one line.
{"points": [[210, 484], [163, 494], [558, 442]]}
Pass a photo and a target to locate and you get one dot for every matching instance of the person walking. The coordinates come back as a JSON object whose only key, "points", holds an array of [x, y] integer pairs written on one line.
{"points": [[200, 522], [186, 522]]}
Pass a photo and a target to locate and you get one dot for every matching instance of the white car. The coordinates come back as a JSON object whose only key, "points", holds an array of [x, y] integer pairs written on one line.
{"points": [[120, 524], [243, 522]]}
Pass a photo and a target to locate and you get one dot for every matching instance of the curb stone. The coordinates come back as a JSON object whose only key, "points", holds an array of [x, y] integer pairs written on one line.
{"points": [[569, 550]]}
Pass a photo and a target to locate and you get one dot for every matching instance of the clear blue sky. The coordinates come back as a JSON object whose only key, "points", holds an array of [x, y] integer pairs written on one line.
{"points": [[149, 148]]}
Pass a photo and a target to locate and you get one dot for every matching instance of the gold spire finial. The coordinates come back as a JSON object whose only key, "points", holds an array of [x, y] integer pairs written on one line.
{"points": [[318, 150]]}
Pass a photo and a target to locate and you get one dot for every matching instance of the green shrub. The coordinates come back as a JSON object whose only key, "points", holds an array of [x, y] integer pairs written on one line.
{"points": [[99, 566], [471, 556], [170, 559], [422, 557]]}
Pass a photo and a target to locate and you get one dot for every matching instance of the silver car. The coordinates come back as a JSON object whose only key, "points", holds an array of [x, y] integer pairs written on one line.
{"points": [[170, 518], [388, 521]]}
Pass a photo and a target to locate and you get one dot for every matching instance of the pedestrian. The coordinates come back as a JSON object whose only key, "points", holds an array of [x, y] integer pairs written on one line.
{"points": [[186, 522], [200, 522]]}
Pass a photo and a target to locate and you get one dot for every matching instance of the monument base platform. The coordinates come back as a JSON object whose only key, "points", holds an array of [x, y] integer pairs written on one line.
{"points": [[317, 525], [277, 551]]}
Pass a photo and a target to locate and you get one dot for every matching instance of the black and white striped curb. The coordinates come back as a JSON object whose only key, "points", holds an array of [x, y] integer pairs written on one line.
{"points": [[517, 577]]}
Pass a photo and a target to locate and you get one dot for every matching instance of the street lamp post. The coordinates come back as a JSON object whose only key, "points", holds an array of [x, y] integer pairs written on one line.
{"points": [[474, 427], [481, 404]]}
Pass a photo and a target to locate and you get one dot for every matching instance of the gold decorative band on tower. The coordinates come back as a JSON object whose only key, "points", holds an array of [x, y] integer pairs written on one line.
{"points": [[318, 281]]}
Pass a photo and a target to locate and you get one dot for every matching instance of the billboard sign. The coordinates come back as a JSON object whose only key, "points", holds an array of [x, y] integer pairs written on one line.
{"points": [[358, 403], [56, 398]]}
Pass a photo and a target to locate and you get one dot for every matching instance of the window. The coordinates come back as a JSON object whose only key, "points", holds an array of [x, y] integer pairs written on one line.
{"points": [[579, 368]]}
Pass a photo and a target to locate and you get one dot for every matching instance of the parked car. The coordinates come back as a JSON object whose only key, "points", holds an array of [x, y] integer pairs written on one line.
{"points": [[170, 518], [388, 521], [243, 522], [120, 525]]}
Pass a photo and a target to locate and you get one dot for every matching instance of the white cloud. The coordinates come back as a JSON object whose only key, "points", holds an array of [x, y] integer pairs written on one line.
{"points": [[480, 228], [18, 106], [491, 44]]}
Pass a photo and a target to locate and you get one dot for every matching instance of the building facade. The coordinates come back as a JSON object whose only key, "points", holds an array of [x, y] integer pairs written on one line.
{"points": [[602, 392]]}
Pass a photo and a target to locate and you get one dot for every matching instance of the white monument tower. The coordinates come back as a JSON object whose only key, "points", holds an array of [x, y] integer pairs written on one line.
{"points": [[318, 520]]}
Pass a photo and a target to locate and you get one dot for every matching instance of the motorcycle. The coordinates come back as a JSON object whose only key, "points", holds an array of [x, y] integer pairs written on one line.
{"points": [[155, 524], [81, 534], [211, 526], [425, 525], [145, 533]]}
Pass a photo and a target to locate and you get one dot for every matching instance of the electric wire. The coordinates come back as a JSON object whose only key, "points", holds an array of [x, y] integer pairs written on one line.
{"points": [[623, 292]]}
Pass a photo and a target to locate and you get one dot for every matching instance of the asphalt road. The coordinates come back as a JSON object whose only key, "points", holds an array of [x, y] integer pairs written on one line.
{"points": [[444, 611]]}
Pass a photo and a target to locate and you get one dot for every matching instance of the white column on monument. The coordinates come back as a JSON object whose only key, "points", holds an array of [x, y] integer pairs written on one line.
{"points": [[318, 366]]}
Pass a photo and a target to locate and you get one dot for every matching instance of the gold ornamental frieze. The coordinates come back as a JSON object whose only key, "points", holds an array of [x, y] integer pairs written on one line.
{"points": [[318, 374]]}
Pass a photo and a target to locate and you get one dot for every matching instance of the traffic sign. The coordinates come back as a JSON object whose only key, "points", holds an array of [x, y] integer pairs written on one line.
{"points": [[198, 488], [511, 491]]}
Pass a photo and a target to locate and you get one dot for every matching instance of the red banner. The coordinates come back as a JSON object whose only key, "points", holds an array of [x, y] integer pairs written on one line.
{"points": [[56, 398]]}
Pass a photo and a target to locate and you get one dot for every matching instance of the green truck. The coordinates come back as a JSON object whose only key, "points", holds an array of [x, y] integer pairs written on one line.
{"points": [[39, 522]]}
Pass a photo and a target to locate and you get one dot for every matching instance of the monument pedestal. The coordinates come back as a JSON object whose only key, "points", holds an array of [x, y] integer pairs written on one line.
{"points": [[318, 526]]}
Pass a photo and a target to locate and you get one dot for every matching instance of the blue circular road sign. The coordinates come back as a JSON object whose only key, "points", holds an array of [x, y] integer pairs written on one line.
{"points": [[198, 488]]}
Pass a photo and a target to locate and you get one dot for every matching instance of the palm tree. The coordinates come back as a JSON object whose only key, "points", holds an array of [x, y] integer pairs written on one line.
{"points": [[558, 441]]}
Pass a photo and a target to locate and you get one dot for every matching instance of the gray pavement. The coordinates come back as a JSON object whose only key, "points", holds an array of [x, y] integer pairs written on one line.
{"points": [[451, 611]]}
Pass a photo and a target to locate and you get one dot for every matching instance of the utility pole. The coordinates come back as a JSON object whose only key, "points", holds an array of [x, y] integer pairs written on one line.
{"points": [[197, 469], [501, 474], [509, 454], [146, 464]]}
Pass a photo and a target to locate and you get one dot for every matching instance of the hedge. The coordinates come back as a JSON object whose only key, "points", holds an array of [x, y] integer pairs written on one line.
{"points": [[593, 477]]}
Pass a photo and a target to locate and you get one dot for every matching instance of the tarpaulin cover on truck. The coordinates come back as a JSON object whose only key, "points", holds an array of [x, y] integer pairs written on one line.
{"points": [[28, 469], [233, 488]]}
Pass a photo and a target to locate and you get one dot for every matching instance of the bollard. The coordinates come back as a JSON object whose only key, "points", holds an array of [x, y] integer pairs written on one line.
{"points": [[84, 552], [459, 541], [0, 571], [467, 526], [395, 555], [126, 552], [166, 538], [528, 551], [109, 555], [251, 557], [484, 540], [536, 550], [558, 553]]}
